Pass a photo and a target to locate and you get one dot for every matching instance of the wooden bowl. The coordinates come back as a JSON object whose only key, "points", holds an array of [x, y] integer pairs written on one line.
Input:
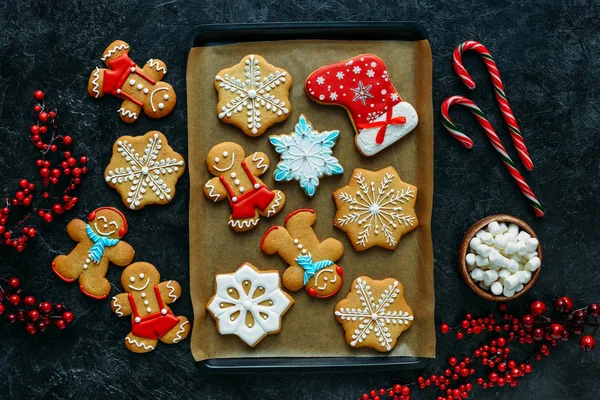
{"points": [[464, 248]]}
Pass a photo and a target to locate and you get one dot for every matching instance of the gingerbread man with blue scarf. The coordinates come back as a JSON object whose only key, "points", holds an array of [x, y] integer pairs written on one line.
{"points": [[99, 243], [312, 263]]}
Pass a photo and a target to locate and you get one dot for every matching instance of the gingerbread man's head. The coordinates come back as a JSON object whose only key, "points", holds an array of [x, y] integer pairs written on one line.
{"points": [[139, 277], [108, 222], [225, 158]]}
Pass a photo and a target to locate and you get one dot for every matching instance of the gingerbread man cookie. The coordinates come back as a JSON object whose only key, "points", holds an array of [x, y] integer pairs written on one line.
{"points": [[146, 299], [253, 95], [363, 87], [99, 242], [139, 88], [311, 262], [236, 178]]}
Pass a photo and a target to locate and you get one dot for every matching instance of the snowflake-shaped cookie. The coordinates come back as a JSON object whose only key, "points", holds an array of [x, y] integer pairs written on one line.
{"points": [[306, 155], [375, 208], [144, 170], [249, 303], [374, 313], [256, 102]]}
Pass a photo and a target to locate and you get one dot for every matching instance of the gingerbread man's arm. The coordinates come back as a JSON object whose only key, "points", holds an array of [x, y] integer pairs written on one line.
{"points": [[76, 230], [331, 249], [120, 254], [155, 69], [169, 291], [129, 111], [258, 163], [278, 240], [120, 305], [214, 190], [114, 50]]}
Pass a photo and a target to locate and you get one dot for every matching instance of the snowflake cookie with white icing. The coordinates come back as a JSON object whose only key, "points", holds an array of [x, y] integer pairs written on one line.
{"points": [[146, 299], [144, 170], [253, 95], [140, 89], [249, 303], [374, 314], [376, 208], [306, 155]]}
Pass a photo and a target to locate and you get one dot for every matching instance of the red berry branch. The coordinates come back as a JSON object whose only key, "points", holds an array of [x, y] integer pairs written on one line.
{"points": [[26, 310], [491, 364], [59, 169]]}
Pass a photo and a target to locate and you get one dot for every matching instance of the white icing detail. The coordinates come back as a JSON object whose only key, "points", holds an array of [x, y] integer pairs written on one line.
{"points": [[146, 302], [236, 182], [152, 98], [117, 307], [156, 65], [180, 331], [362, 93], [137, 320], [228, 168], [132, 82], [161, 106], [149, 158], [139, 289], [95, 84], [325, 279], [241, 189], [149, 310], [225, 154], [256, 186], [253, 94], [143, 294], [233, 175], [101, 233], [139, 86], [303, 251], [114, 50], [127, 113], [132, 69], [166, 97], [172, 291], [234, 199], [211, 193], [260, 162], [247, 303], [118, 91], [132, 279], [236, 223], [146, 90], [273, 209], [138, 344], [142, 276], [295, 241], [85, 266], [375, 316], [163, 311], [365, 140]]}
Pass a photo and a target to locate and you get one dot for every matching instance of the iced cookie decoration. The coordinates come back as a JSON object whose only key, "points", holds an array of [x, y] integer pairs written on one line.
{"points": [[306, 155], [362, 86], [139, 88], [374, 314], [144, 170], [146, 299], [375, 208], [253, 95], [99, 242], [311, 262], [236, 179], [249, 303]]}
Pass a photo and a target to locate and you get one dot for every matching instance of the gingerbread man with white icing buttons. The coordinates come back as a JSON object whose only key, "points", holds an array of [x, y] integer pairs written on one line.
{"points": [[311, 262], [139, 88], [146, 299], [236, 178], [99, 243]]}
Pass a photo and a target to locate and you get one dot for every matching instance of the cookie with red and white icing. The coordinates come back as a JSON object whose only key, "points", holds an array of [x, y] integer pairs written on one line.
{"points": [[363, 87]]}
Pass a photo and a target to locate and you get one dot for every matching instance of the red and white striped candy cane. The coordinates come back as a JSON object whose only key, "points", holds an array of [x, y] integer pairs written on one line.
{"points": [[491, 134], [507, 113]]}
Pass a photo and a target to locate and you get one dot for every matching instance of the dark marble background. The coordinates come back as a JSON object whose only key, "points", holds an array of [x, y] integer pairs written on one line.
{"points": [[548, 56]]}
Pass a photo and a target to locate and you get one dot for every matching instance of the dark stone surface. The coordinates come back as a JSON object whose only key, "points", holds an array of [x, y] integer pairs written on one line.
{"points": [[547, 56]]}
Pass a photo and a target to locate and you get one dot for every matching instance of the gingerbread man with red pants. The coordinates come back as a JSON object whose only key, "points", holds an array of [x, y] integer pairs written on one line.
{"points": [[146, 299], [236, 178], [140, 88]]}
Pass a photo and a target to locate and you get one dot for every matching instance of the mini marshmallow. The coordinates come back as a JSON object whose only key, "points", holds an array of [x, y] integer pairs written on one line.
{"points": [[508, 292], [493, 266], [521, 248], [479, 233], [475, 243], [523, 236], [503, 227], [483, 286], [515, 257], [532, 245], [494, 228], [513, 266], [495, 257], [500, 241], [483, 250], [510, 236], [529, 256], [470, 259], [525, 277], [487, 238], [503, 274], [511, 282], [496, 288], [519, 287], [477, 274], [490, 276], [511, 248], [533, 264], [481, 261], [513, 228]]}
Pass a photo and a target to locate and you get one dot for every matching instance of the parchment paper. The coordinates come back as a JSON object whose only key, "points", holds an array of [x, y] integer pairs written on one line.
{"points": [[309, 328]]}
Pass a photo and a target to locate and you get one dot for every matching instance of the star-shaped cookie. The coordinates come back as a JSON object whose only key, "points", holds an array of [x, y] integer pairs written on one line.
{"points": [[376, 208]]}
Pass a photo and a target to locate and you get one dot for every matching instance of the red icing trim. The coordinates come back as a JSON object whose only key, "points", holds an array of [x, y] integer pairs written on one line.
{"points": [[68, 280], [290, 215], [153, 325], [382, 125], [91, 295], [262, 241], [312, 292]]}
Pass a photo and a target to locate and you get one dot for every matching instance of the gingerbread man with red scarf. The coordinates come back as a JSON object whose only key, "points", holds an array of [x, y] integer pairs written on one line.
{"points": [[363, 87], [139, 88]]}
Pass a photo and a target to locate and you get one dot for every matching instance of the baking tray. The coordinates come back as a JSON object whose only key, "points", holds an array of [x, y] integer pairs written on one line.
{"points": [[214, 35]]}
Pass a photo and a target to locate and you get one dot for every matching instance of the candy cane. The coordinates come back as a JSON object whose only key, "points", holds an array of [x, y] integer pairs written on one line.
{"points": [[507, 113], [491, 134]]}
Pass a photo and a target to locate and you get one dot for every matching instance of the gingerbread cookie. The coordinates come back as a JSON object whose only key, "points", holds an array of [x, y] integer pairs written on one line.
{"points": [[375, 208], [249, 303], [306, 155], [236, 178], [362, 86], [374, 314], [146, 299], [144, 170], [98, 243], [139, 88], [253, 95], [311, 262]]}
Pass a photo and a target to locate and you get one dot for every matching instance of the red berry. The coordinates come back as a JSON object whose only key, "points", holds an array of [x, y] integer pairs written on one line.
{"points": [[459, 335], [33, 315], [67, 140], [587, 343], [60, 324], [465, 324], [527, 320], [405, 391], [56, 172], [59, 308], [52, 114], [44, 172], [11, 318], [57, 209], [39, 95], [13, 282], [48, 217], [76, 172], [29, 300], [32, 232], [452, 361], [43, 129], [31, 329], [72, 161], [537, 308], [579, 315], [397, 388], [493, 377], [37, 108], [53, 148], [594, 310], [35, 130], [83, 159], [556, 331], [14, 299], [43, 116], [45, 307]]}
